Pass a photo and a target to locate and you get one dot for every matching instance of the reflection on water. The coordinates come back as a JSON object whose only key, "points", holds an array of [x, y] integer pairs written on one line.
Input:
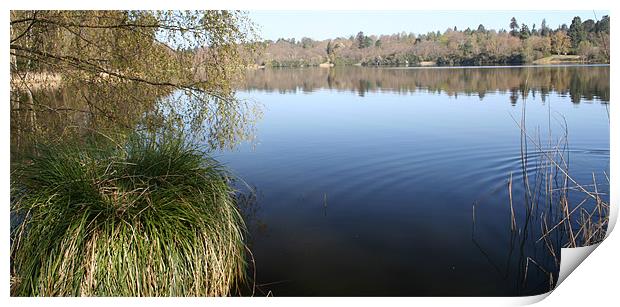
{"points": [[579, 82], [77, 110], [368, 176]]}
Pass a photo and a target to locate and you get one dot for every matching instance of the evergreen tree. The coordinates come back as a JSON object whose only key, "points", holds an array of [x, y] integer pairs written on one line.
{"points": [[360, 39], [576, 32], [306, 42], [514, 27], [363, 41], [544, 30], [589, 26], [367, 42], [525, 32], [603, 25]]}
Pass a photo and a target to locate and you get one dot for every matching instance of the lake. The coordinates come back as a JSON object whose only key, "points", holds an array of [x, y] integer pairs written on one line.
{"points": [[363, 180]]}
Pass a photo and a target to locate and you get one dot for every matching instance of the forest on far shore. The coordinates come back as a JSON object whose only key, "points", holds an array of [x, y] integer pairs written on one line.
{"points": [[587, 41]]}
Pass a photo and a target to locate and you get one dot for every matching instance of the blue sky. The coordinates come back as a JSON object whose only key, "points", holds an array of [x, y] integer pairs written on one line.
{"points": [[331, 24]]}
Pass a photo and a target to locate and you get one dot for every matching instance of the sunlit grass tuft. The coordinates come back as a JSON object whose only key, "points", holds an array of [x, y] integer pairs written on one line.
{"points": [[145, 218]]}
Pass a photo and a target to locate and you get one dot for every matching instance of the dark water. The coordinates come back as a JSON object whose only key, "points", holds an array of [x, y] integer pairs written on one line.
{"points": [[365, 177]]}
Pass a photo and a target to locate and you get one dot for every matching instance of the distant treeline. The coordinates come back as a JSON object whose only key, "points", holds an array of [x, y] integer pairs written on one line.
{"points": [[522, 43]]}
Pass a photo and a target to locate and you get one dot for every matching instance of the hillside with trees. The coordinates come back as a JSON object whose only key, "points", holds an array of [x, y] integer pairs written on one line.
{"points": [[587, 40]]}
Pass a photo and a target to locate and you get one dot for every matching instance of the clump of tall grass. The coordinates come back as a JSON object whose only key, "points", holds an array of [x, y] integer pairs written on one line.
{"points": [[149, 217]]}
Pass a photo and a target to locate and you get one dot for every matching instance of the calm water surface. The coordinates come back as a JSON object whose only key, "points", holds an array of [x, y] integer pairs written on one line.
{"points": [[365, 177]]}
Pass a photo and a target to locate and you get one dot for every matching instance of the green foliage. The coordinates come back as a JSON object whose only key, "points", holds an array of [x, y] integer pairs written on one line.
{"points": [[514, 27], [525, 32], [363, 41], [603, 25], [291, 63], [148, 217], [407, 59], [306, 42], [544, 30], [576, 32], [589, 26]]}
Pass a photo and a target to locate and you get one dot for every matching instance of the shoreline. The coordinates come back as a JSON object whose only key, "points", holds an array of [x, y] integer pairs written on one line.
{"points": [[531, 64]]}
